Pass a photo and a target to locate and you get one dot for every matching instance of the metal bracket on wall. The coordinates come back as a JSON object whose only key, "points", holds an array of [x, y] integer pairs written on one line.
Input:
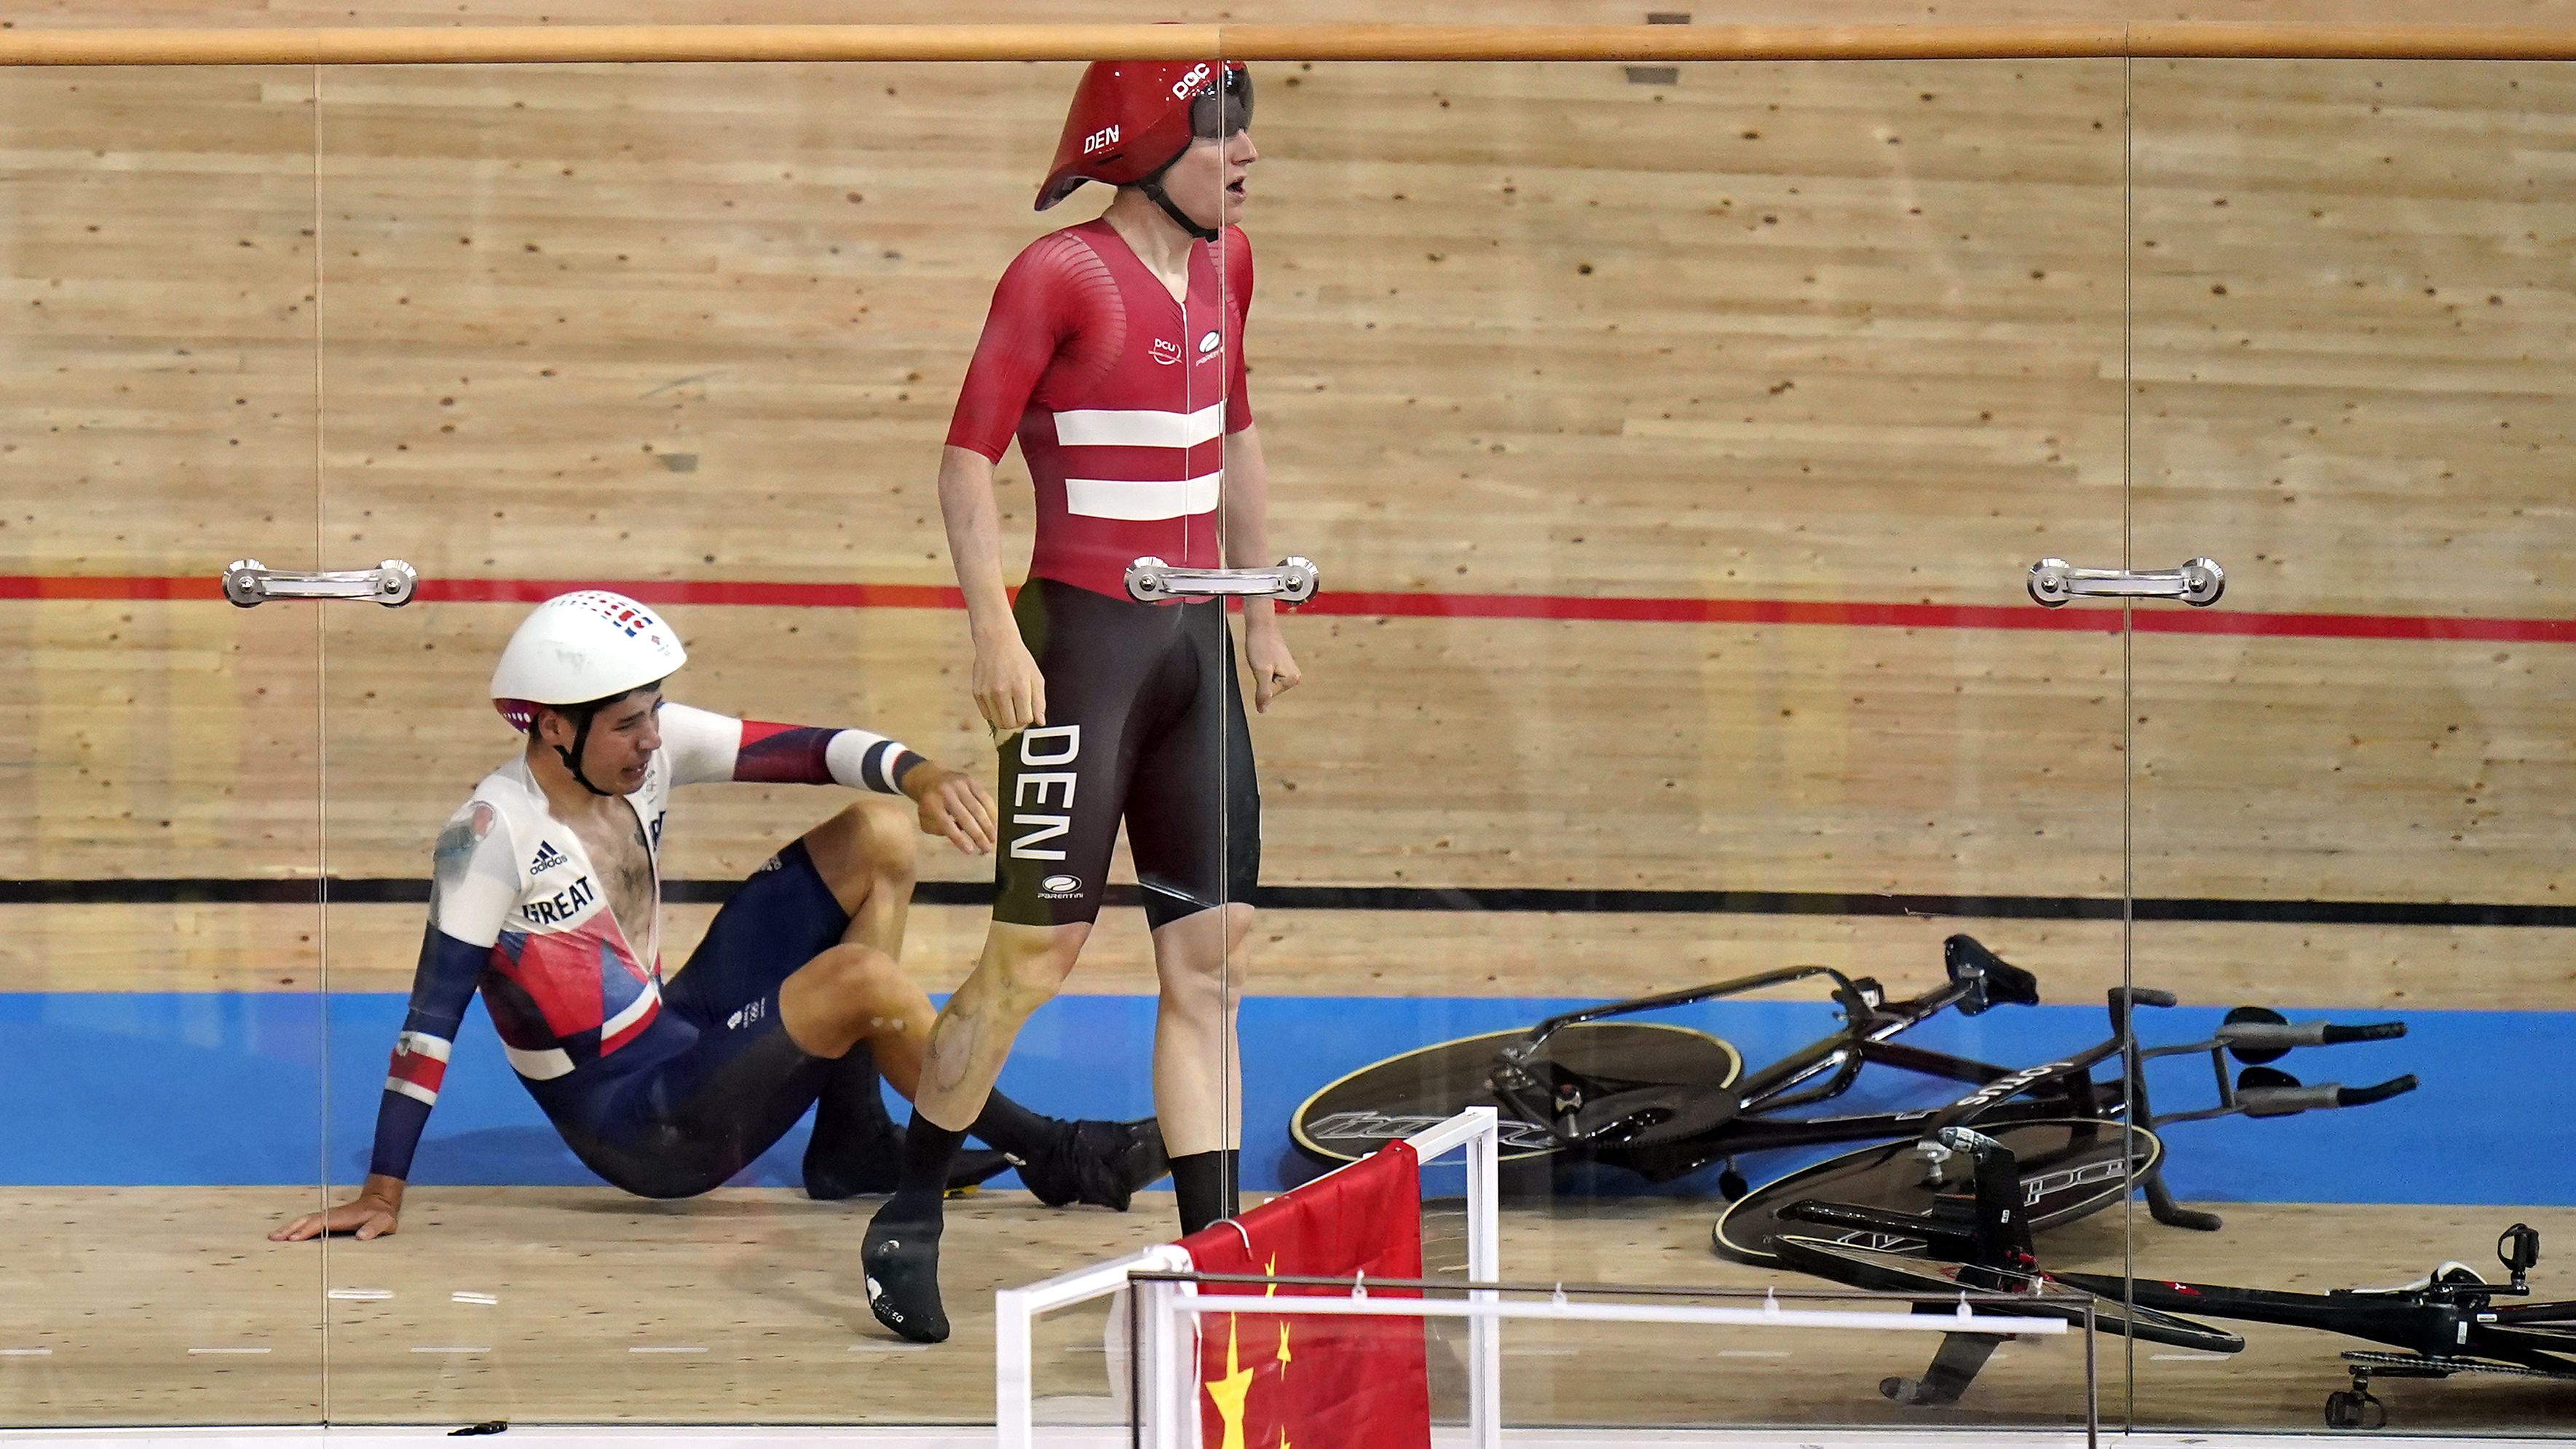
{"points": [[2054, 582], [249, 583], [1291, 580]]}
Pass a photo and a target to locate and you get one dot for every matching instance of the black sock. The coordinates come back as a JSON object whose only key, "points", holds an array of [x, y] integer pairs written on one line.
{"points": [[1015, 1129], [1205, 1184], [856, 1146], [928, 1148]]}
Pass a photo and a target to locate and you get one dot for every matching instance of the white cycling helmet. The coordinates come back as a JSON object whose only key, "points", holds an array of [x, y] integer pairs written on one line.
{"points": [[580, 649]]}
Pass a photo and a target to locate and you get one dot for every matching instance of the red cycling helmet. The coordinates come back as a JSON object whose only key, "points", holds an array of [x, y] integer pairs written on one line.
{"points": [[1131, 119]]}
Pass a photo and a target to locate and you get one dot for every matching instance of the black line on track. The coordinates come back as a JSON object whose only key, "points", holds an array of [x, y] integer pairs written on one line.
{"points": [[384, 890]]}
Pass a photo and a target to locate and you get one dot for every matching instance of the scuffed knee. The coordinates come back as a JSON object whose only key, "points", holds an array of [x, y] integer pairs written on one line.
{"points": [[857, 973], [1026, 985], [1023, 976]]}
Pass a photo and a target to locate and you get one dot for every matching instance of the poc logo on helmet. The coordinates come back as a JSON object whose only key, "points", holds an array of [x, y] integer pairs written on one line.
{"points": [[1182, 88], [1107, 136]]}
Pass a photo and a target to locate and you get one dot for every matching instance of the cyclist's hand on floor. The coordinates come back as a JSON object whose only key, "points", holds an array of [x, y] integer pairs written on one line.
{"points": [[369, 1215]]}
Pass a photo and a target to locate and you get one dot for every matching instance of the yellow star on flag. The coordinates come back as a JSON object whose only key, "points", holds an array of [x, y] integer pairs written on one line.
{"points": [[1272, 1291], [1228, 1393]]}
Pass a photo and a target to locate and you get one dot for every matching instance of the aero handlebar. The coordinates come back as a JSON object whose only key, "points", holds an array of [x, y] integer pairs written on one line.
{"points": [[2259, 1101], [2281, 1036]]}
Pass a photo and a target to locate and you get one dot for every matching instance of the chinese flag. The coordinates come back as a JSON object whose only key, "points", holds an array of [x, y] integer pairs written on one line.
{"points": [[1270, 1382]]}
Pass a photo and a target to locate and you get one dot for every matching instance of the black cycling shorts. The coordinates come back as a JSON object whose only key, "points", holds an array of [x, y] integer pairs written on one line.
{"points": [[714, 1081], [1144, 722]]}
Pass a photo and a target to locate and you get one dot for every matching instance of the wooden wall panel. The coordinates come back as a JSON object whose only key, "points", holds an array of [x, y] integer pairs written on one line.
{"points": [[1807, 332]]}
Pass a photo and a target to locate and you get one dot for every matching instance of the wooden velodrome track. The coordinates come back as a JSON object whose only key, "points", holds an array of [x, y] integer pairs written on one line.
{"points": [[1810, 334]]}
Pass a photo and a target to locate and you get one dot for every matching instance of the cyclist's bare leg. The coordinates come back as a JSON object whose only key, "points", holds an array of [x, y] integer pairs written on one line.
{"points": [[1021, 970], [866, 855], [1197, 1068], [850, 994]]}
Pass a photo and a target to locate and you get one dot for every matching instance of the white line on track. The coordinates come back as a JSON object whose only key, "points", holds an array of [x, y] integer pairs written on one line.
{"points": [[658, 1348], [487, 1300], [361, 1295], [227, 1350], [26, 1353]]}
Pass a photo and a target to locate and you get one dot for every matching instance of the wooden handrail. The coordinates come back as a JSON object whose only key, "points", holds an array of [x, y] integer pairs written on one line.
{"points": [[527, 44]]}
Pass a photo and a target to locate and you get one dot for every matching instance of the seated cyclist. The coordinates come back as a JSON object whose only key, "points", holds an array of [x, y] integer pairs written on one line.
{"points": [[546, 899]]}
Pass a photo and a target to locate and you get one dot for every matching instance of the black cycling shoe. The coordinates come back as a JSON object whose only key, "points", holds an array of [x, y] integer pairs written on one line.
{"points": [[902, 1264], [976, 1166], [1099, 1163], [832, 1177]]}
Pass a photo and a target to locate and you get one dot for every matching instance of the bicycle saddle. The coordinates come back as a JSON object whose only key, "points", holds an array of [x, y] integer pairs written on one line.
{"points": [[1993, 980], [2450, 1275]]}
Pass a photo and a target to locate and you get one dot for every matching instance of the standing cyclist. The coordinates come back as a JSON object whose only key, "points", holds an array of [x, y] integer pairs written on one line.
{"points": [[1114, 352]]}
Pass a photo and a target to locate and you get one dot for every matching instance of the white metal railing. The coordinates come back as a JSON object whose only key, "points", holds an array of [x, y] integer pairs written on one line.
{"points": [[1015, 1310], [1167, 1342]]}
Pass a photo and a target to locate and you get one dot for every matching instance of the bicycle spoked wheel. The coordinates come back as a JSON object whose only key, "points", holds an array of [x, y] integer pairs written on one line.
{"points": [[1887, 1271], [2069, 1167], [1682, 1075]]}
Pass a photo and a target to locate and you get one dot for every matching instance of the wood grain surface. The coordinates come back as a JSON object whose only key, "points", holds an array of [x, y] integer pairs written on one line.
{"points": [[121, 1284], [1872, 333]]}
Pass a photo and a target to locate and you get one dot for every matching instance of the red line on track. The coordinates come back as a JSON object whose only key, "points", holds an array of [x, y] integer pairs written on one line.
{"points": [[2098, 619], [105, 586]]}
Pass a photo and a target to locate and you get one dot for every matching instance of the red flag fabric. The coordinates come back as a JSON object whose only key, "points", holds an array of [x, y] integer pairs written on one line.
{"points": [[1272, 1382]]}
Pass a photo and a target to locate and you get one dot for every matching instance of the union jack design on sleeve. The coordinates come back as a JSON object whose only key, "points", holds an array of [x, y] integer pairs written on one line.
{"points": [[706, 747], [419, 1066]]}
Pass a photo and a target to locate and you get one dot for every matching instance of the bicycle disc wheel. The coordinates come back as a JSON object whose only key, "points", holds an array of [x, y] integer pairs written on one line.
{"points": [[1402, 1095], [1885, 1271], [2069, 1167]]}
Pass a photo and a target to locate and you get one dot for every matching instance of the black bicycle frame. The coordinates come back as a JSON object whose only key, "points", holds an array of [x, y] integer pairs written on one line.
{"points": [[1869, 1023], [2451, 1326], [2002, 1096]]}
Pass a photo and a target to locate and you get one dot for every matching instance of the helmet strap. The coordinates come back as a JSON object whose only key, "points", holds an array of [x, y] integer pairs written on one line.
{"points": [[572, 757], [1153, 189]]}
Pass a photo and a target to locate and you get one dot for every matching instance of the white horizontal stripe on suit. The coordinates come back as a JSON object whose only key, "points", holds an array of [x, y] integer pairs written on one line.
{"points": [[539, 1066], [1139, 427], [1134, 500]]}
